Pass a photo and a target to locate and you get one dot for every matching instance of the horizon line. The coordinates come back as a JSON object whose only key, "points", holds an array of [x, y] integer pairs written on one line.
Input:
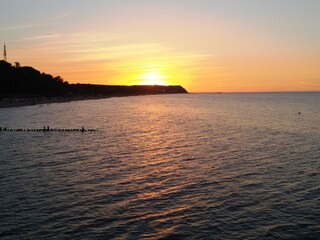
{"points": [[218, 92]]}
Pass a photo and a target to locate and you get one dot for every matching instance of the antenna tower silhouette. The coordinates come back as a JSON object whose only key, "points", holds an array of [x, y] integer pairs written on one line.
{"points": [[4, 52]]}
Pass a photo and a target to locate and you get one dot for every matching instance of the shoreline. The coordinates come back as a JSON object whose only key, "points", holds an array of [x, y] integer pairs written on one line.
{"points": [[22, 102]]}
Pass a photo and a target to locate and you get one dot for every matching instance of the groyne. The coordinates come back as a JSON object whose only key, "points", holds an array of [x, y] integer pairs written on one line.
{"points": [[47, 129]]}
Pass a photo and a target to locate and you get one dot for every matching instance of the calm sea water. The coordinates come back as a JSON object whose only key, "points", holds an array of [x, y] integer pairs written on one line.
{"points": [[197, 166]]}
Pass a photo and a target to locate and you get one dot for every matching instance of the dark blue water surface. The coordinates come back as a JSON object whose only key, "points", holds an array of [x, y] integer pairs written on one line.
{"points": [[196, 166]]}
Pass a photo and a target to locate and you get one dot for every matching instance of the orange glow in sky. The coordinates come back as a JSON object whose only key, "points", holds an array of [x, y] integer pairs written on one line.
{"points": [[152, 78], [203, 45]]}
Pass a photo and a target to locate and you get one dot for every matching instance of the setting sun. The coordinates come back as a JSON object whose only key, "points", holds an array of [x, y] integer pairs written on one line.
{"points": [[152, 78]]}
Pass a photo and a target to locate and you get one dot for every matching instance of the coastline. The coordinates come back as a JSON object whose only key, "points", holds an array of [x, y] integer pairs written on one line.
{"points": [[22, 102], [17, 102]]}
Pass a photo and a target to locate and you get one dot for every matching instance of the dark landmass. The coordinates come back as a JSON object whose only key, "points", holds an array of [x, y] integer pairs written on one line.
{"points": [[27, 86]]}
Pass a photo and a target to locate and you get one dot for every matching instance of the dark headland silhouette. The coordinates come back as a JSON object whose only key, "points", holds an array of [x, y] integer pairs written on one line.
{"points": [[18, 84]]}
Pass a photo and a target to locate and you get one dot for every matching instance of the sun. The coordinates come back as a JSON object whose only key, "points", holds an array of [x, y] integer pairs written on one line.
{"points": [[153, 78]]}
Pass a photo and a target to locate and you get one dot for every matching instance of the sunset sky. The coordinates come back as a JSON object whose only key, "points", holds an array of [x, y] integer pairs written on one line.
{"points": [[203, 45]]}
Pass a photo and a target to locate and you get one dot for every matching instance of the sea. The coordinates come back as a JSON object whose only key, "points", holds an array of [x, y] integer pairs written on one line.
{"points": [[180, 166]]}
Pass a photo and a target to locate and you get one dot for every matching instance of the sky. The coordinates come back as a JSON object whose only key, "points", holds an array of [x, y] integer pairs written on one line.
{"points": [[203, 45]]}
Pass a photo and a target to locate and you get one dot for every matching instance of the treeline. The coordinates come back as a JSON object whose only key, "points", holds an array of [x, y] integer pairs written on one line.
{"points": [[25, 82]]}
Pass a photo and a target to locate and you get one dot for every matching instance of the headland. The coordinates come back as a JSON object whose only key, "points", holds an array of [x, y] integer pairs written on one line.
{"points": [[21, 86]]}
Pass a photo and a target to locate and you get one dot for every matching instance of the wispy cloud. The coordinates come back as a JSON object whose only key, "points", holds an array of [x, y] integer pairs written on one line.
{"points": [[90, 46], [90, 54], [21, 26], [42, 22], [40, 37], [79, 41], [116, 51]]}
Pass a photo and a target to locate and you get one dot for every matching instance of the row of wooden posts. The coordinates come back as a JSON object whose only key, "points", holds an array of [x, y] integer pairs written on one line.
{"points": [[46, 129]]}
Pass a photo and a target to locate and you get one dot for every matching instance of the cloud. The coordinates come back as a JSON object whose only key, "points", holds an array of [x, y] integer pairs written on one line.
{"points": [[21, 26], [116, 57], [42, 22], [40, 37], [92, 46], [117, 51]]}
